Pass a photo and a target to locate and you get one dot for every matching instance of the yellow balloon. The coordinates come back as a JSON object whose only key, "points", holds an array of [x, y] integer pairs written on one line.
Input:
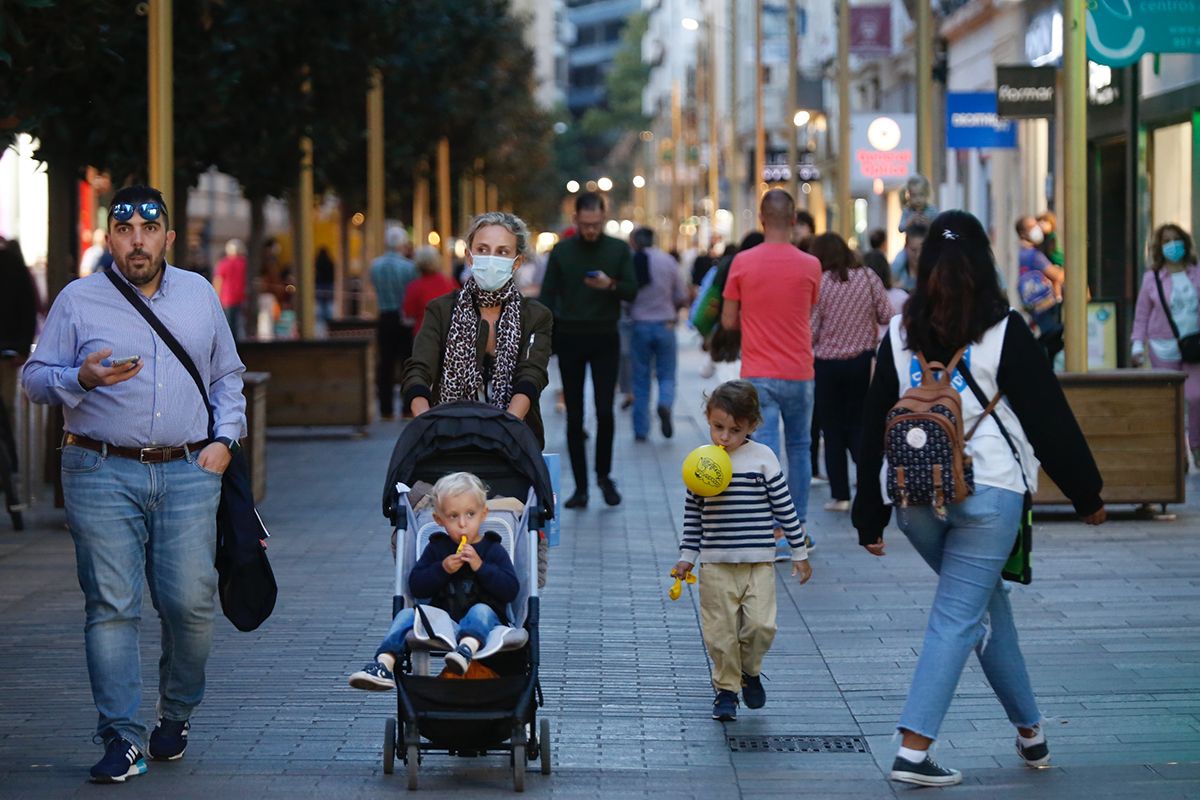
{"points": [[707, 470]]}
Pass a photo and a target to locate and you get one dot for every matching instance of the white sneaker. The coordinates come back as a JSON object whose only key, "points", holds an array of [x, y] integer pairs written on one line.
{"points": [[837, 505]]}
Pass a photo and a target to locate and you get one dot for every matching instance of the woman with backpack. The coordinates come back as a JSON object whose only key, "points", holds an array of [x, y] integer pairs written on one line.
{"points": [[964, 520]]}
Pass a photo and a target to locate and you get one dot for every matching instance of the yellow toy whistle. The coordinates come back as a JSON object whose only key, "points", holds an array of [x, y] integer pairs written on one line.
{"points": [[677, 588], [461, 544]]}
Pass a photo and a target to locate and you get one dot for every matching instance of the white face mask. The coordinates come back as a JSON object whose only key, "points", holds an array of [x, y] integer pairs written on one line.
{"points": [[1035, 235], [491, 272]]}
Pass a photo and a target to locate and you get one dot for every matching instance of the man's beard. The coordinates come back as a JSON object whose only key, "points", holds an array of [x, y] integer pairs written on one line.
{"points": [[142, 273]]}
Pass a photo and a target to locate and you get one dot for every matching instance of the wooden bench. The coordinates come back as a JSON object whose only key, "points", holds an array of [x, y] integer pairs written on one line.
{"points": [[1133, 422], [317, 382]]}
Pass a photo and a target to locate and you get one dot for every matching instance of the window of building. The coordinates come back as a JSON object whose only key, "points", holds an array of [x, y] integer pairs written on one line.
{"points": [[1171, 177]]}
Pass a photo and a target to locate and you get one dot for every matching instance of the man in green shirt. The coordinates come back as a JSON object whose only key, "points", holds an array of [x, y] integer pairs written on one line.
{"points": [[587, 277]]}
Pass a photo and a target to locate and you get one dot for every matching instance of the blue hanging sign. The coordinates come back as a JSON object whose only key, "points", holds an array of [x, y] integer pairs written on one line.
{"points": [[971, 121]]}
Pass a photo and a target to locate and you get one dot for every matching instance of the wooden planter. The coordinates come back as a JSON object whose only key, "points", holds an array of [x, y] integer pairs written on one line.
{"points": [[320, 382], [1133, 422]]}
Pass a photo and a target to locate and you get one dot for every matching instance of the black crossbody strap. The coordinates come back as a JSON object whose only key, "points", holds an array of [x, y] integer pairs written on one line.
{"points": [[983, 401], [168, 338], [1162, 298]]}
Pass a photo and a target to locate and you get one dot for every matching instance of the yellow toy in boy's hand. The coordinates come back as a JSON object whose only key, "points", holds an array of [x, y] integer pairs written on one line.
{"points": [[461, 544], [707, 470], [677, 588]]}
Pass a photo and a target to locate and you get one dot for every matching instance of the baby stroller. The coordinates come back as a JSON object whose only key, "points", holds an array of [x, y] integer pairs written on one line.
{"points": [[470, 717]]}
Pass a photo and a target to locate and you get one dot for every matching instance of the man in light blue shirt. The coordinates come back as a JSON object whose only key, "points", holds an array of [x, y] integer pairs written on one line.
{"points": [[141, 475], [391, 274]]}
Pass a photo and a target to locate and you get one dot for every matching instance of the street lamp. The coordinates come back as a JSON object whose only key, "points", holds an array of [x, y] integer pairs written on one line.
{"points": [[605, 184], [572, 186], [639, 182], [801, 118], [690, 24]]}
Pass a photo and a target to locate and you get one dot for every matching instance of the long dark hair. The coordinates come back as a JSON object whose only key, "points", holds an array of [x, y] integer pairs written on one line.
{"points": [[958, 294], [835, 255]]}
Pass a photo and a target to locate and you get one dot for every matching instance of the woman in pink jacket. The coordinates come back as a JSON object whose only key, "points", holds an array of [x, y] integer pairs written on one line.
{"points": [[1174, 268]]}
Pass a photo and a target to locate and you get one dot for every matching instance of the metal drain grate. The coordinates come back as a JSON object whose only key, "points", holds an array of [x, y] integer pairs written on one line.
{"points": [[798, 744]]}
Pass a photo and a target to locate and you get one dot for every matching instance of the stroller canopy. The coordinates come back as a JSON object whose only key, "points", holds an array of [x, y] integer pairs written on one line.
{"points": [[438, 440]]}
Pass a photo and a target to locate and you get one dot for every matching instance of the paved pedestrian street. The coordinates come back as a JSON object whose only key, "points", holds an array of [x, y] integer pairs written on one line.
{"points": [[1110, 626]]}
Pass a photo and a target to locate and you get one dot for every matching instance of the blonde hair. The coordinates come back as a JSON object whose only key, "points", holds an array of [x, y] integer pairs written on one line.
{"points": [[455, 484]]}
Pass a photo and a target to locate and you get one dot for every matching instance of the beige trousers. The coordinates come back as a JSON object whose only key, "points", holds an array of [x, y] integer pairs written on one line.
{"points": [[737, 616]]}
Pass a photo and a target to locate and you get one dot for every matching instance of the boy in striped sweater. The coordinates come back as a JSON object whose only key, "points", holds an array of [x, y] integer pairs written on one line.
{"points": [[736, 531]]}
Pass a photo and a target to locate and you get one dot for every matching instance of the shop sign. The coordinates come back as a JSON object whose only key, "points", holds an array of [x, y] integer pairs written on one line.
{"points": [[1120, 31], [1025, 92], [870, 30], [971, 121], [882, 146]]}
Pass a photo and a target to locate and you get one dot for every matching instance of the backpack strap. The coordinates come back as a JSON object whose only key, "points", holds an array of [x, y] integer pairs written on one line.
{"points": [[980, 396], [947, 371]]}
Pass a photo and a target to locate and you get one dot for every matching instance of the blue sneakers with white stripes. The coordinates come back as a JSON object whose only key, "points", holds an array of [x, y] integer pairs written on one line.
{"points": [[121, 760], [168, 740]]}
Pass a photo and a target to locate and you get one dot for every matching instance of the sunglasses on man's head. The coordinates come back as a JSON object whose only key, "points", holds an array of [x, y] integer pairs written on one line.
{"points": [[150, 211]]}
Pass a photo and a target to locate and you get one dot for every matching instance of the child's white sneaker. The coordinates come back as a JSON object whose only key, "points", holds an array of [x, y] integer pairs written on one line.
{"points": [[459, 659]]}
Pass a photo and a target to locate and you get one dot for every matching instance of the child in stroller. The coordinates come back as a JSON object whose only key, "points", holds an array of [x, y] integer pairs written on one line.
{"points": [[465, 573]]}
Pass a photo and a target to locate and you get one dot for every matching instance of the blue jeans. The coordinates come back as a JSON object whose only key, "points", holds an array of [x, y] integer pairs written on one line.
{"points": [[130, 519], [651, 340], [970, 608], [476, 623], [793, 402]]}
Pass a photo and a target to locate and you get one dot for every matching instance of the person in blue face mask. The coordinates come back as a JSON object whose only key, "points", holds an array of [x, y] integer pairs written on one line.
{"points": [[484, 342], [1170, 293]]}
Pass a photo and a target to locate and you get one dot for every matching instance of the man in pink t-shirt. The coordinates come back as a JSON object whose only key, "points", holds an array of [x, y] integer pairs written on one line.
{"points": [[770, 295], [229, 279]]}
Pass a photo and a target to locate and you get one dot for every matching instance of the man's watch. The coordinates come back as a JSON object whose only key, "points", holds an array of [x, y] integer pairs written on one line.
{"points": [[233, 445]]}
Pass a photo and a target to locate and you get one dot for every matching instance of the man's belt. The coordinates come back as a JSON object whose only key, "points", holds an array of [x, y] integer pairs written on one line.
{"points": [[146, 455]]}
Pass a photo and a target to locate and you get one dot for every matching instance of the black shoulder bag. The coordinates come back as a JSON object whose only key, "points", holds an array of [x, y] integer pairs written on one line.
{"points": [[1189, 346], [245, 581], [1018, 568]]}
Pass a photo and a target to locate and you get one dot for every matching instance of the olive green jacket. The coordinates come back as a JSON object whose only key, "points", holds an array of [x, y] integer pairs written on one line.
{"points": [[423, 372]]}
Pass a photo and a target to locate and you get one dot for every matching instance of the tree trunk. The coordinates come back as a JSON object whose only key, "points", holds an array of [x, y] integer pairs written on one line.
{"points": [[183, 255], [254, 257], [62, 251]]}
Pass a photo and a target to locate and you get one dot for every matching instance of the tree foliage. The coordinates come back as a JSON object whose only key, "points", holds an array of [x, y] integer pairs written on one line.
{"points": [[252, 78], [624, 86]]}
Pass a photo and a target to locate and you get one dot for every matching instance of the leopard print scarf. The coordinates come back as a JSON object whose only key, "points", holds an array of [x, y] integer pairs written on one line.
{"points": [[461, 375]]}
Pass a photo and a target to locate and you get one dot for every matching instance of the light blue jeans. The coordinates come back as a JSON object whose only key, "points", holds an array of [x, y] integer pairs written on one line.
{"points": [[476, 623], [970, 609], [131, 520], [652, 340], [791, 401]]}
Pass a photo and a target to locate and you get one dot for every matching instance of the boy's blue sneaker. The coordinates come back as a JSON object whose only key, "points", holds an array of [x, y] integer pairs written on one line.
{"points": [[725, 706], [753, 692], [459, 659], [121, 760], [374, 677], [168, 740]]}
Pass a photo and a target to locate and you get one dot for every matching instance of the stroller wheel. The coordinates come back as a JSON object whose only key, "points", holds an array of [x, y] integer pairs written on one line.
{"points": [[544, 745], [389, 745], [518, 765], [412, 754]]}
